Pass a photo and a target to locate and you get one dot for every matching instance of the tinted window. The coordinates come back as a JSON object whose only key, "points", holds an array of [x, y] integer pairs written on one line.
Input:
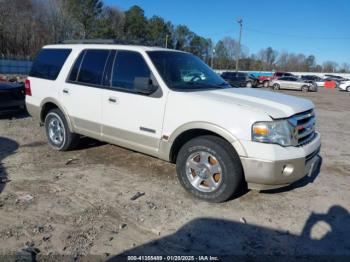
{"points": [[170, 66], [48, 63], [128, 65], [93, 66], [75, 70]]}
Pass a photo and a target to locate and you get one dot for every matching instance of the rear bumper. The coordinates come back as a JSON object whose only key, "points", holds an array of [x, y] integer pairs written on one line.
{"points": [[262, 174], [33, 110]]}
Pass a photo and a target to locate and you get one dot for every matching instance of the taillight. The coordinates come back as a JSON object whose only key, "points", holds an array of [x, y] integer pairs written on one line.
{"points": [[27, 88]]}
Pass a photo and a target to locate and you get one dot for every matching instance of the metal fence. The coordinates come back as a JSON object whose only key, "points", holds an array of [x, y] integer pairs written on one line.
{"points": [[15, 66]]}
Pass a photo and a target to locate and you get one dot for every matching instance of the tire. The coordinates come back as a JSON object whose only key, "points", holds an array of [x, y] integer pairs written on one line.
{"points": [[57, 131], [266, 84], [227, 179], [249, 84], [305, 89], [276, 86], [348, 88]]}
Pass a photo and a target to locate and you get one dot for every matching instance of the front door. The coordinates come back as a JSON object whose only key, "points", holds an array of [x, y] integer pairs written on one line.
{"points": [[131, 119]]}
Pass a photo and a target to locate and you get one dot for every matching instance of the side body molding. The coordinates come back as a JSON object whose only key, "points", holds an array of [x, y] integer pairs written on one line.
{"points": [[166, 145]]}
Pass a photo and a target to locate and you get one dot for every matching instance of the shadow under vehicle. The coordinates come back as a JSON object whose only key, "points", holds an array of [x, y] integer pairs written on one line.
{"points": [[7, 148], [234, 241]]}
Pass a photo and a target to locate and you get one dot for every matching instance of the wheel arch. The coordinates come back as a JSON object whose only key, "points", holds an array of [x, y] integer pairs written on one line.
{"points": [[50, 103], [184, 133]]}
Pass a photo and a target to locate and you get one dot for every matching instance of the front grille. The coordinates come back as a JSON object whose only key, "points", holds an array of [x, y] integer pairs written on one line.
{"points": [[304, 127]]}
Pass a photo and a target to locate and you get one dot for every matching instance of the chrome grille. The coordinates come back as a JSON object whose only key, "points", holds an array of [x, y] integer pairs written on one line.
{"points": [[304, 127]]}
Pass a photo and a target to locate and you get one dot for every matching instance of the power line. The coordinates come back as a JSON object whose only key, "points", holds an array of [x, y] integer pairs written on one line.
{"points": [[297, 36], [284, 35]]}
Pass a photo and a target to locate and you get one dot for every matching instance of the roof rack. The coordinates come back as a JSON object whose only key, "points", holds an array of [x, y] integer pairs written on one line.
{"points": [[91, 41]]}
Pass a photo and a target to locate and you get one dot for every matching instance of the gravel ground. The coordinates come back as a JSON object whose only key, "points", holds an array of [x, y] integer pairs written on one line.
{"points": [[79, 203]]}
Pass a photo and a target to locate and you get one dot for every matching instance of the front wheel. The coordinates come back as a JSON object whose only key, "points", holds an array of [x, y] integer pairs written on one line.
{"points": [[249, 84], [58, 134], [348, 89], [209, 168], [305, 88]]}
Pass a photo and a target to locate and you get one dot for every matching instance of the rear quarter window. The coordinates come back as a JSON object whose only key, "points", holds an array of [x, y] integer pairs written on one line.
{"points": [[48, 63]]}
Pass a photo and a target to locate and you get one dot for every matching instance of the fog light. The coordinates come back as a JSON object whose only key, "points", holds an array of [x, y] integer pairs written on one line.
{"points": [[287, 170]]}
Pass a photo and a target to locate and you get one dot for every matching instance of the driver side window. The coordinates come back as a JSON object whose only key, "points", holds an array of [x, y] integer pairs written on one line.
{"points": [[128, 65]]}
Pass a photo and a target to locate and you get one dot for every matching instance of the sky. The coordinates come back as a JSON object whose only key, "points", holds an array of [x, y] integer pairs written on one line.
{"points": [[318, 27]]}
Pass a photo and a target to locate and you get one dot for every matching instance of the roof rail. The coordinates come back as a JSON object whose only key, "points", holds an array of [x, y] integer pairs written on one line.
{"points": [[91, 41]]}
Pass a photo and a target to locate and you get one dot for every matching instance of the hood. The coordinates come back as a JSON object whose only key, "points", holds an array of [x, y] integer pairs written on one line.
{"points": [[274, 104]]}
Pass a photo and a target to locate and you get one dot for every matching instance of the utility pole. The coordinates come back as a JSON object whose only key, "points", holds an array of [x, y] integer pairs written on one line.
{"points": [[240, 22], [166, 40], [212, 58]]}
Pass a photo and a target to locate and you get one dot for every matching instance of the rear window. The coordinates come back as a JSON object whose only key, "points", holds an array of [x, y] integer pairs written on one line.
{"points": [[48, 63]]}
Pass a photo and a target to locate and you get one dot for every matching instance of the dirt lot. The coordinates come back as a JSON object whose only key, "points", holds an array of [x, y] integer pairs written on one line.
{"points": [[81, 200]]}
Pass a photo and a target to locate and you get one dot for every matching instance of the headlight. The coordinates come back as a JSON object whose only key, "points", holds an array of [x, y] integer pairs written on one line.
{"points": [[276, 132]]}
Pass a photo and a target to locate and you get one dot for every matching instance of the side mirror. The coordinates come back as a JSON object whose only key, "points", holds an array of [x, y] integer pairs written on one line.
{"points": [[144, 85]]}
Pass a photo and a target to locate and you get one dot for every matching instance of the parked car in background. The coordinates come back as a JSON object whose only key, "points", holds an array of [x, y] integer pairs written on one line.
{"points": [[345, 85], [318, 81], [266, 79], [240, 79], [292, 83], [11, 97], [336, 78]]}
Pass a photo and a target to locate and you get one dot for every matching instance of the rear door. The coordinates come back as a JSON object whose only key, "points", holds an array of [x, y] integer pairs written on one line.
{"points": [[45, 74], [82, 93]]}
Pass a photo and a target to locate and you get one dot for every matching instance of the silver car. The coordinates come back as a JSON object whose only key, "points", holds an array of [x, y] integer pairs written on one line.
{"points": [[292, 83]]}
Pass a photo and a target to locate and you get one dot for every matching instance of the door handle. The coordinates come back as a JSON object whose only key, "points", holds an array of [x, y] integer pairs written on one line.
{"points": [[112, 100], [66, 91]]}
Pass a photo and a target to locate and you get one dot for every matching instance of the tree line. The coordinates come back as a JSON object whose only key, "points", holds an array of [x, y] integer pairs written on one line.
{"points": [[27, 25]]}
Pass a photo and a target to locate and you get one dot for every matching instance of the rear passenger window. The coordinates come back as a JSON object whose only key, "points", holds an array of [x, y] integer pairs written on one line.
{"points": [[92, 67], [48, 63], [75, 70], [128, 65]]}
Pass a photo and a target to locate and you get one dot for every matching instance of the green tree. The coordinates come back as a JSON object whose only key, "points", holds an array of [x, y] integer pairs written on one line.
{"points": [[200, 46], [158, 30], [86, 12], [110, 24], [135, 27], [183, 37]]}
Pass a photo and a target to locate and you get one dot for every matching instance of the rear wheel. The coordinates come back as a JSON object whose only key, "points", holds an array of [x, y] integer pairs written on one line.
{"points": [[58, 133], [249, 84], [305, 88], [276, 86], [209, 168], [266, 84], [348, 89]]}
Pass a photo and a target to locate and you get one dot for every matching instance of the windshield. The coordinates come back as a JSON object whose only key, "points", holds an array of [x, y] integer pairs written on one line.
{"points": [[185, 72]]}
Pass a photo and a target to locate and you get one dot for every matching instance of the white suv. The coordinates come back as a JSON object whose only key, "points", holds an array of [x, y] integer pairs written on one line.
{"points": [[171, 105]]}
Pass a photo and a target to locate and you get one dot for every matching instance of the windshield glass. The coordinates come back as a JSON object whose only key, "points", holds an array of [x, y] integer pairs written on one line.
{"points": [[185, 72]]}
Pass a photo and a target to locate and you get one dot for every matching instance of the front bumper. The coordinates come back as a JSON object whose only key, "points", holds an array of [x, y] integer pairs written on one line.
{"points": [[263, 174]]}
